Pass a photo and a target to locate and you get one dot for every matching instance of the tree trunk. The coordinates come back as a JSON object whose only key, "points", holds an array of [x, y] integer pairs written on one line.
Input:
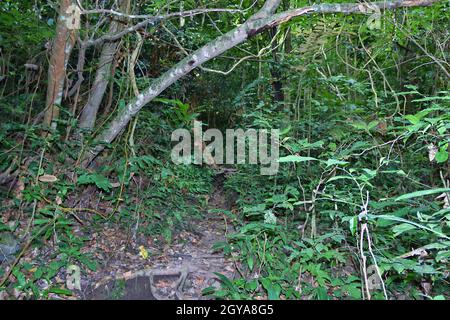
{"points": [[102, 77], [287, 50], [277, 84], [60, 53]]}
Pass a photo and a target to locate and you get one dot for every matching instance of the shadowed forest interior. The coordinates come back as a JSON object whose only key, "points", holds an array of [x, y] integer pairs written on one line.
{"points": [[354, 98]]}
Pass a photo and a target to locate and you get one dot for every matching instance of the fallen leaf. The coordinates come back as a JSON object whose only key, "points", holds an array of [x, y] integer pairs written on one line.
{"points": [[143, 252], [48, 178]]}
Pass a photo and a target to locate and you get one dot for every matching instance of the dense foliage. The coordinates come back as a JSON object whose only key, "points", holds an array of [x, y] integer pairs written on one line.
{"points": [[362, 103]]}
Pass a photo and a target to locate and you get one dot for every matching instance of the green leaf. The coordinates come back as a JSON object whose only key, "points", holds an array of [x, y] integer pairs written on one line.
{"points": [[403, 227], [431, 99], [332, 162], [443, 255], [339, 178], [208, 291], [372, 124], [93, 178], [225, 281], [92, 265], [278, 198], [293, 158], [252, 285], [285, 131], [353, 224], [322, 294], [399, 172], [417, 225], [258, 208], [41, 221], [421, 193], [60, 291], [441, 156], [358, 124], [413, 119], [427, 269], [19, 276], [273, 289], [122, 104], [250, 262]]}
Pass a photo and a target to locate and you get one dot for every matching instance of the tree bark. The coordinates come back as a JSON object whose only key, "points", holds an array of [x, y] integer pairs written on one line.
{"points": [[263, 20], [102, 77], [287, 48], [277, 83], [60, 53]]}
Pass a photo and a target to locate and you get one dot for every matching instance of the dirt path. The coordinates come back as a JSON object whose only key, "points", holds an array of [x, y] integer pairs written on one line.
{"points": [[183, 271]]}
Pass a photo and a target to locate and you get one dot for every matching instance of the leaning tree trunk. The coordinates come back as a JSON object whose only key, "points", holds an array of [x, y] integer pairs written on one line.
{"points": [[287, 47], [102, 77], [263, 20], [274, 68], [68, 23]]}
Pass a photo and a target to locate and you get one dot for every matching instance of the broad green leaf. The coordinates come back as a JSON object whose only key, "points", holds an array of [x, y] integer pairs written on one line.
{"points": [[339, 178], [252, 285], [403, 227], [431, 99], [427, 269], [441, 156], [417, 225], [399, 172], [332, 162], [353, 224], [322, 294], [273, 289], [250, 262], [372, 124], [360, 125], [258, 208], [443, 255], [421, 193], [61, 291], [412, 118], [93, 178], [293, 158], [122, 104], [225, 281], [41, 221]]}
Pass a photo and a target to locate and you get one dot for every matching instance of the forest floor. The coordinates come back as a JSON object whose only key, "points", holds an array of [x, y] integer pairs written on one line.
{"points": [[181, 271]]}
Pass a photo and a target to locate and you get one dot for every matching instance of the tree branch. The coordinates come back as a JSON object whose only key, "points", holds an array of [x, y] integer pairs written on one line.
{"points": [[149, 20], [188, 13], [346, 8]]}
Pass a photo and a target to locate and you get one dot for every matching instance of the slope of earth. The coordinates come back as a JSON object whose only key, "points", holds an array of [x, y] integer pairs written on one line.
{"points": [[182, 271]]}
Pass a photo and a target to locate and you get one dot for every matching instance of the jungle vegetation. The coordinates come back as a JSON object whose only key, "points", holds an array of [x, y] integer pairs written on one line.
{"points": [[91, 91]]}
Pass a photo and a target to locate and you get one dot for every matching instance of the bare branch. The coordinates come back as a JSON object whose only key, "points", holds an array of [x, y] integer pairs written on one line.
{"points": [[151, 20], [188, 13]]}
